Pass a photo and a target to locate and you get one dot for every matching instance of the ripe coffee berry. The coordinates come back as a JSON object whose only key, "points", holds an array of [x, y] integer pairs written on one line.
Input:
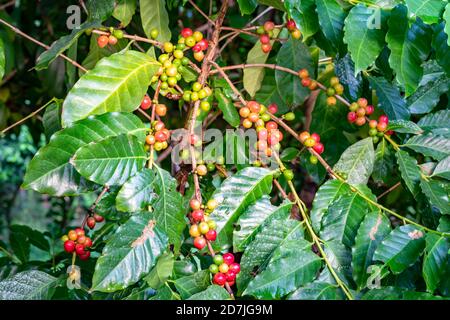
{"points": [[272, 108], [266, 47], [264, 39], [303, 74], [199, 243], [85, 255], [230, 276], [195, 204], [69, 246], [360, 121], [90, 222], [102, 41], [316, 137], [384, 119], [269, 26], [331, 101], [194, 231], [235, 267], [79, 249], [310, 142], [203, 44], [146, 103], [228, 258], [202, 170], [72, 235], [219, 279], [186, 32], [112, 40], [319, 148], [223, 268], [197, 215], [211, 235], [351, 117], [303, 136], [306, 82], [369, 109], [271, 125], [291, 25], [254, 106], [382, 126]]}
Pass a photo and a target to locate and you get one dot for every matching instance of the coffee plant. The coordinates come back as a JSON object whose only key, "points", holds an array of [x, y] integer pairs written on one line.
{"points": [[241, 149]]}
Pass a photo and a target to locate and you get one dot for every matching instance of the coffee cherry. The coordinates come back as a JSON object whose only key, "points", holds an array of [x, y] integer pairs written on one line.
{"points": [[199, 56], [118, 33], [212, 204], [72, 235], [158, 125], [228, 258], [194, 204], [199, 243], [369, 110], [190, 41], [205, 106], [253, 117], [197, 215], [230, 276], [64, 238], [269, 26], [303, 74], [203, 227], [186, 32], [254, 106], [244, 112], [203, 44], [79, 232], [303, 136], [160, 136], [319, 148], [69, 246], [362, 102], [351, 117], [197, 48], [211, 224], [150, 140], [112, 40], [266, 47], [211, 235], [85, 255], [331, 101], [373, 124], [373, 132], [360, 121], [272, 108], [389, 132], [334, 81], [271, 125], [247, 124], [313, 85], [219, 279], [263, 134], [383, 118], [264, 39], [235, 267], [375, 139], [310, 142], [260, 30], [288, 175], [218, 259], [194, 231], [202, 170], [211, 167], [213, 269], [339, 88], [224, 268], [102, 41], [353, 107], [316, 137], [154, 33], [382, 126], [361, 112], [290, 116], [313, 159], [81, 239], [146, 103], [161, 110], [331, 92], [291, 25], [79, 249], [296, 34], [306, 82], [198, 36], [88, 242]]}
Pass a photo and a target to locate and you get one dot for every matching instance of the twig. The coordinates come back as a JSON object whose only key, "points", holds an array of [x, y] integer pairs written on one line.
{"points": [[201, 12], [395, 186], [7, 5], [132, 37]]}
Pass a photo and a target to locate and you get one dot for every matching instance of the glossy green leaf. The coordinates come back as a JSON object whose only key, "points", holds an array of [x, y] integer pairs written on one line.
{"points": [[443, 169], [226, 105], [364, 42], [427, 10], [111, 161], [190, 285], [427, 96], [259, 252], [446, 17], [294, 55], [137, 193], [161, 272], [409, 48], [154, 16], [438, 194], [214, 292], [401, 248], [62, 44], [20, 246], [247, 6], [384, 166], [234, 195], [404, 126], [165, 293], [327, 193], [438, 121], [28, 285], [52, 118], [331, 19], [100, 9], [50, 171], [371, 232], [441, 42], [345, 70], [32, 236], [2, 59], [269, 93], [357, 162], [124, 11], [129, 254], [342, 219], [254, 218], [409, 170], [390, 100], [277, 4], [117, 83], [434, 146], [304, 15], [435, 260], [385, 293], [292, 266], [317, 291], [340, 258]]}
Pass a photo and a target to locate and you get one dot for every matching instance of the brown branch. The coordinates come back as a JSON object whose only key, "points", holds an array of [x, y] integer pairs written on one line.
{"points": [[132, 37], [201, 12], [7, 5], [395, 186]]}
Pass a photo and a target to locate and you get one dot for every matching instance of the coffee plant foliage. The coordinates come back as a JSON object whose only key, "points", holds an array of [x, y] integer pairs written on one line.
{"points": [[342, 194]]}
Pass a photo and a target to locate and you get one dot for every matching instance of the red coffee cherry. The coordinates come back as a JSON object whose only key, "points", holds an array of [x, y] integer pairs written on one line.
{"points": [[146, 103], [186, 32], [98, 217], [235, 267], [102, 41], [199, 243], [219, 279], [69, 246], [211, 235], [198, 215], [228, 258]]}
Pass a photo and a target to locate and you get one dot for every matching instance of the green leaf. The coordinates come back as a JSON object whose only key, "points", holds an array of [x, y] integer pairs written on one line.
{"points": [[292, 266], [345, 70], [129, 254], [331, 19], [165, 293], [190, 285], [234, 195], [259, 251], [384, 166], [390, 100], [294, 55], [50, 171], [304, 15], [443, 169], [161, 272], [427, 10], [62, 44], [137, 193], [404, 126], [33, 237], [438, 121], [124, 11], [340, 258], [52, 118], [100, 9], [409, 170], [2, 59], [117, 83], [254, 76], [435, 260], [385, 293], [438, 194], [365, 43], [327, 193], [107, 205], [427, 96], [247, 6], [371, 232], [437, 147], [214, 292], [409, 48], [187, 73], [277, 4], [254, 218], [342, 219], [154, 16], [441, 42], [226, 105], [20, 246], [317, 291], [401, 248], [357, 162], [28, 285], [269, 92], [446, 17], [111, 161]]}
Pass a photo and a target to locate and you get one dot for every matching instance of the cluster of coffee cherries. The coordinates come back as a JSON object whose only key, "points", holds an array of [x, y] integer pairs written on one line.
{"points": [[77, 241], [93, 219], [312, 141], [170, 74], [224, 269], [160, 109], [111, 39], [194, 40], [265, 33], [306, 80], [358, 112], [378, 128], [336, 88], [199, 92], [203, 228], [158, 136], [292, 28], [254, 114]]}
